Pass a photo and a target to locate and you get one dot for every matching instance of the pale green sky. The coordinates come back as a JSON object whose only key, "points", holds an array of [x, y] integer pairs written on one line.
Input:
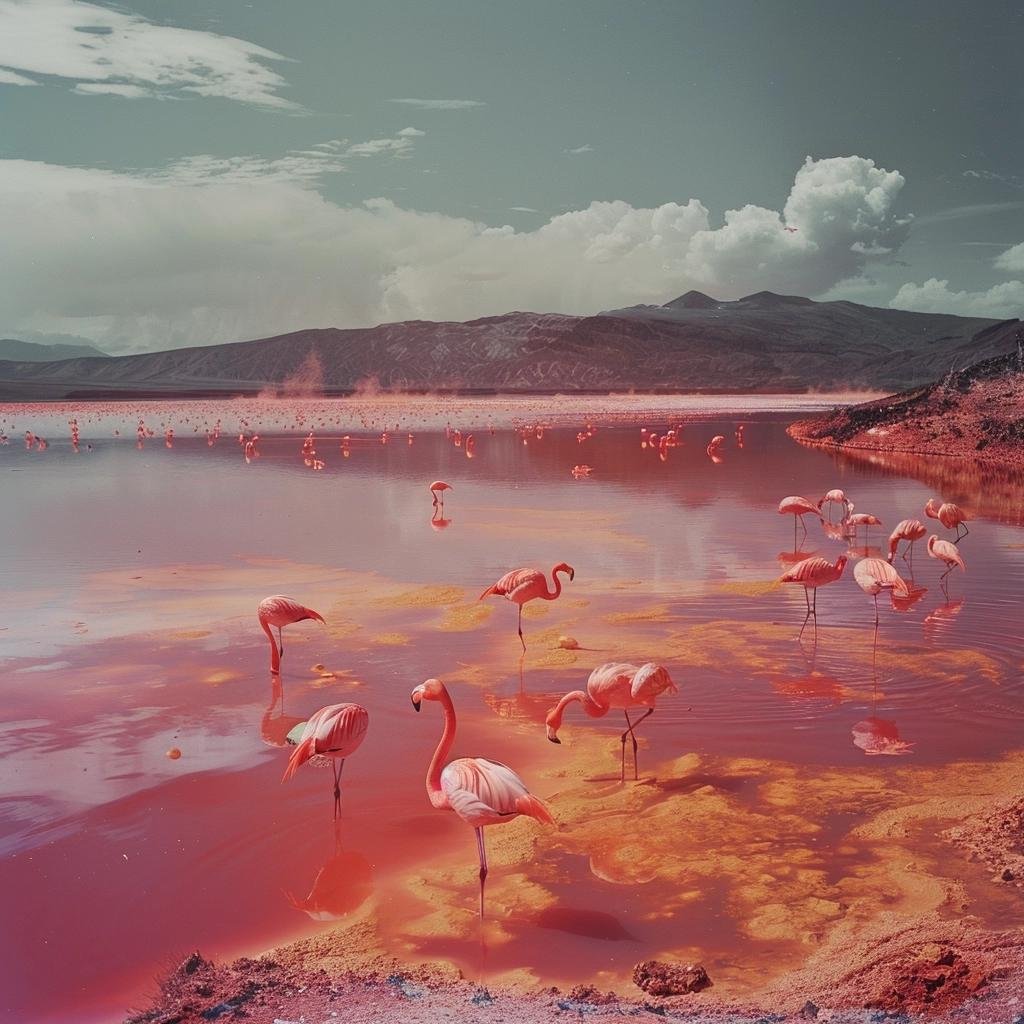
{"points": [[662, 102]]}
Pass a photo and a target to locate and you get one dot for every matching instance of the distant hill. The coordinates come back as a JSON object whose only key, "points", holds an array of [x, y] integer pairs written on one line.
{"points": [[33, 352], [977, 411], [763, 342]]}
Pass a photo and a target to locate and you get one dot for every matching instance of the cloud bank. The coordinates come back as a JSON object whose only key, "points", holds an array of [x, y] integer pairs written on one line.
{"points": [[209, 250], [112, 52]]}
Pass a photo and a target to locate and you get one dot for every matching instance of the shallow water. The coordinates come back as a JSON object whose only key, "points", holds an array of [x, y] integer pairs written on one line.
{"points": [[131, 579]]}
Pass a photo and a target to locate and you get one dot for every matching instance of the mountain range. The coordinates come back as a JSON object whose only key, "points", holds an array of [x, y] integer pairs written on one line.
{"points": [[762, 342], [33, 352]]}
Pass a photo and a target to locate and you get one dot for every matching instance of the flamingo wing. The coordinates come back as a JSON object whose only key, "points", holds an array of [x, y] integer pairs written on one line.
{"points": [[515, 583], [483, 792], [875, 574], [650, 681], [810, 570]]}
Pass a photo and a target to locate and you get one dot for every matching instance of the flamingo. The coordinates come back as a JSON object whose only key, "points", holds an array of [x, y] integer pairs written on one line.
{"points": [[522, 585], [798, 507], [281, 611], [864, 519], [948, 553], [439, 487], [336, 731], [873, 575], [812, 573], [616, 685], [910, 530], [481, 792], [951, 516], [836, 497]]}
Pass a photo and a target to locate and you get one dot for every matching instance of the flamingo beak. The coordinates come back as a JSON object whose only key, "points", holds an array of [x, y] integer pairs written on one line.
{"points": [[552, 736], [415, 703], [572, 574]]}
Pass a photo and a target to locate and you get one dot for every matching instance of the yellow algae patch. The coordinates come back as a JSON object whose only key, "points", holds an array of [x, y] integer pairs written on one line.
{"points": [[652, 613], [552, 658], [748, 588], [813, 685], [188, 634], [464, 617], [428, 596], [535, 610], [223, 676], [390, 639]]}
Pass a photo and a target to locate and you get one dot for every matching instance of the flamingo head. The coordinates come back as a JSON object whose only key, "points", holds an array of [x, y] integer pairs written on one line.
{"points": [[551, 724], [432, 689], [564, 567], [841, 563]]}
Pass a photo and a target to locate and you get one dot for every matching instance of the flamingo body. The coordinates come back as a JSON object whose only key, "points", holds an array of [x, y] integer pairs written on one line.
{"points": [[438, 487], [910, 530], [951, 516], [811, 573], [873, 575], [279, 611], [523, 585]]}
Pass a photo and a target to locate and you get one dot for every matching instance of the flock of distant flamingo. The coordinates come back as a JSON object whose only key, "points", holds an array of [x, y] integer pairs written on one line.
{"points": [[872, 575]]}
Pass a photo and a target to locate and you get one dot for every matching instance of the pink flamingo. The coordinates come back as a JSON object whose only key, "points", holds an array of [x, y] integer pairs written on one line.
{"points": [[281, 611], [336, 731], [836, 497], [479, 791], [948, 553], [438, 487], [910, 530], [865, 519], [798, 507], [616, 685], [812, 573], [522, 585], [951, 516], [873, 575]]}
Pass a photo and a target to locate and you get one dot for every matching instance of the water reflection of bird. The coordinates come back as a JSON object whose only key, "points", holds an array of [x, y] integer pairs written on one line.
{"points": [[343, 884], [797, 507], [812, 573], [911, 531], [940, 619], [274, 729], [879, 737], [523, 585], [836, 497], [279, 611], [947, 553], [903, 603], [437, 520], [334, 732], [616, 685], [951, 516], [479, 791], [873, 575]]}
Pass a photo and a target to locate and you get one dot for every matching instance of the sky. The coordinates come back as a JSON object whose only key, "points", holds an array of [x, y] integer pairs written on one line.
{"points": [[205, 171]]}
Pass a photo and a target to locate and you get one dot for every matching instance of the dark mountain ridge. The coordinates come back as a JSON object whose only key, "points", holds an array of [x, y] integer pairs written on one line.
{"points": [[762, 342]]}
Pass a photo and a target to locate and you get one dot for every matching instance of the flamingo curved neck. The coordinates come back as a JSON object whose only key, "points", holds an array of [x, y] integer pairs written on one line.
{"points": [[434, 790], [550, 595], [590, 705]]}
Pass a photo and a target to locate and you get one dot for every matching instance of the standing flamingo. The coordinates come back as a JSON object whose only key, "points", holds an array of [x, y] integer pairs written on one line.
{"points": [[910, 530], [438, 487], [873, 575], [865, 519], [616, 685], [336, 731], [479, 791], [951, 516], [812, 573], [836, 497], [798, 507], [281, 611], [522, 585], [948, 553]]}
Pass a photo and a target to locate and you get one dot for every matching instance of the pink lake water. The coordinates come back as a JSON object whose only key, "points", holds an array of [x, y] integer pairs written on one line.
{"points": [[130, 578]]}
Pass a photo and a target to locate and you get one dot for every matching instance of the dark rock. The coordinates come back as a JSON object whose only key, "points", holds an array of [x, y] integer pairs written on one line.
{"points": [[809, 1011], [665, 979], [193, 963]]}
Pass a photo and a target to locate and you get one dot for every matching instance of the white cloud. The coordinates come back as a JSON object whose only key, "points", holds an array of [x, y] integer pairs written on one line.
{"points": [[90, 44], [1012, 260], [214, 250], [410, 133], [131, 92], [440, 104], [1000, 302], [585, 148], [396, 147], [523, 209], [10, 78]]}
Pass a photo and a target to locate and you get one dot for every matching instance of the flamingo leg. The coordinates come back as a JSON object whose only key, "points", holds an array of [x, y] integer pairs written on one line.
{"points": [[337, 787], [280, 643], [807, 599], [960, 536], [483, 865], [630, 726], [521, 640], [876, 613], [814, 612]]}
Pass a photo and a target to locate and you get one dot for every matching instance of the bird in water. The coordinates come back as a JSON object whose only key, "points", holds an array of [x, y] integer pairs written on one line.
{"points": [[616, 685], [947, 553], [481, 792], [911, 531], [873, 575], [437, 489], [798, 507], [336, 732], [523, 585], [812, 573], [865, 519], [951, 516], [279, 611]]}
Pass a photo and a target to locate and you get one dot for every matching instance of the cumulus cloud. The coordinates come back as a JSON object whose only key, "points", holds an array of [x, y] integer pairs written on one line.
{"points": [[1000, 302], [410, 133], [1012, 260], [440, 104], [212, 250], [130, 56]]}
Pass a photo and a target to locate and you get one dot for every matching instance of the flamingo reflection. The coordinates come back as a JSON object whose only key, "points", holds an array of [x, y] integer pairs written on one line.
{"points": [[616, 685], [879, 737], [437, 520], [343, 884], [275, 729], [479, 791], [940, 619]]}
